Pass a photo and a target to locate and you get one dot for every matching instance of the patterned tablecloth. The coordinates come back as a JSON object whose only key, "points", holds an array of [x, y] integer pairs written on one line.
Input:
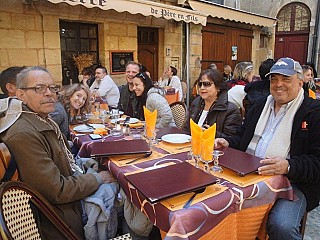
{"points": [[234, 196]]}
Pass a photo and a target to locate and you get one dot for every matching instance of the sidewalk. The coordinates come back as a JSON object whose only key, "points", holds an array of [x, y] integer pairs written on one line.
{"points": [[312, 230]]}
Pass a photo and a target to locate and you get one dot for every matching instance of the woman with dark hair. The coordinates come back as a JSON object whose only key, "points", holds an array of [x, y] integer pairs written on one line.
{"points": [[73, 101], [212, 106], [153, 98], [170, 79], [88, 77]]}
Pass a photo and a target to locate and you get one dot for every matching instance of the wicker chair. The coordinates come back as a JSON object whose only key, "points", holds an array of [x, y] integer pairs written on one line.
{"points": [[179, 111], [17, 220]]}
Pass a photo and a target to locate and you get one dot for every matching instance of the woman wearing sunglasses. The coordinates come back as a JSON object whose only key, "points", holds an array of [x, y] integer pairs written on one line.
{"points": [[72, 101], [153, 98], [212, 106]]}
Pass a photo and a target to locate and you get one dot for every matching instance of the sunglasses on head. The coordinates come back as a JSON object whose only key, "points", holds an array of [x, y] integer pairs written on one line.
{"points": [[140, 75], [205, 84]]}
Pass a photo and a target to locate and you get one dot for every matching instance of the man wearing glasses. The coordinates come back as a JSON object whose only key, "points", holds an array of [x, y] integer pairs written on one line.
{"points": [[42, 154]]}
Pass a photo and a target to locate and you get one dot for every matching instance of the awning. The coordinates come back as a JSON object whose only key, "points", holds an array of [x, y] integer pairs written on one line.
{"points": [[227, 13], [144, 7]]}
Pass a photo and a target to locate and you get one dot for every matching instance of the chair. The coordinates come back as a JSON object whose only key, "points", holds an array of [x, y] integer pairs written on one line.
{"points": [[179, 111], [17, 221], [4, 161], [123, 237]]}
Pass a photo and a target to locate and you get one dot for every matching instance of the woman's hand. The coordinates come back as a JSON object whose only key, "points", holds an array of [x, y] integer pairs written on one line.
{"points": [[220, 142]]}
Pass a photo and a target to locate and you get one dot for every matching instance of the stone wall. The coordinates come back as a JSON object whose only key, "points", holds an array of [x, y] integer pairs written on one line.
{"points": [[29, 35]]}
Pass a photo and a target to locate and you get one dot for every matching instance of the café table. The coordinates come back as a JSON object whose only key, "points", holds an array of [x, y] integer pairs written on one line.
{"points": [[236, 208]]}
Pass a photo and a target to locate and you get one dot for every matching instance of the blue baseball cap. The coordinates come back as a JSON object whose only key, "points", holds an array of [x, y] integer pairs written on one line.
{"points": [[286, 67]]}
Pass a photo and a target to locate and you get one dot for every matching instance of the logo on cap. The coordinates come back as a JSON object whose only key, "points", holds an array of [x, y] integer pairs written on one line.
{"points": [[280, 62], [286, 67]]}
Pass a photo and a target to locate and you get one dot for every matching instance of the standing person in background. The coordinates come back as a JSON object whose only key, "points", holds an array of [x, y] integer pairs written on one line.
{"points": [[106, 87], [8, 81], [88, 77], [127, 95], [170, 79], [213, 66], [227, 73], [242, 75]]}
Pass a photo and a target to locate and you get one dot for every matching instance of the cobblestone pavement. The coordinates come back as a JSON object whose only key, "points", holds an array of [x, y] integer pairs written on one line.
{"points": [[312, 231]]}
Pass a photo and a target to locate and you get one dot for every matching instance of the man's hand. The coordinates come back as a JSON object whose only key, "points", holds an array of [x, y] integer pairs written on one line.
{"points": [[274, 166], [220, 142], [107, 177]]}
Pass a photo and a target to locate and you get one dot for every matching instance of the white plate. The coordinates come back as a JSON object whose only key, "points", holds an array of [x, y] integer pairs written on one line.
{"points": [[176, 138], [83, 129], [132, 120], [97, 125]]}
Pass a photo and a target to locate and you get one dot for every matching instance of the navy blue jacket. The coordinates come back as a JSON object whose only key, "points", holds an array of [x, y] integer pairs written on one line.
{"points": [[304, 149]]}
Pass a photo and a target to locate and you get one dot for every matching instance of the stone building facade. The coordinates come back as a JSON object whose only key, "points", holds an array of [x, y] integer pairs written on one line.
{"points": [[272, 9], [30, 33]]}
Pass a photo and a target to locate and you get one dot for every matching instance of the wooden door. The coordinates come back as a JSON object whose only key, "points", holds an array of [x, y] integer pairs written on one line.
{"points": [[218, 42], [292, 32], [294, 46], [148, 50]]}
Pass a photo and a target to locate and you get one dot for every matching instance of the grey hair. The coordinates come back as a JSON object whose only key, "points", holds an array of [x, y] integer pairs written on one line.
{"points": [[300, 76], [22, 77]]}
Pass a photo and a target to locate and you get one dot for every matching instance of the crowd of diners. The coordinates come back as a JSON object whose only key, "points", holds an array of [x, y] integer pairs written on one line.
{"points": [[272, 115]]}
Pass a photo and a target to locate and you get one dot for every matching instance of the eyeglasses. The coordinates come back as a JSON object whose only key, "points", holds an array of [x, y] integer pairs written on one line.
{"points": [[205, 84], [41, 88]]}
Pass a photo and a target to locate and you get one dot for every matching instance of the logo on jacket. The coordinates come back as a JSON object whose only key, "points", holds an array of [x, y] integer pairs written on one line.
{"points": [[304, 125]]}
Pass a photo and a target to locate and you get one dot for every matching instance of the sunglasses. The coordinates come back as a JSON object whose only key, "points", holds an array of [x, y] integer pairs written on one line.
{"points": [[204, 84], [140, 75]]}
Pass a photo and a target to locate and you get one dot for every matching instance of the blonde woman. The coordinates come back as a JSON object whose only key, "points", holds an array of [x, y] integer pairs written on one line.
{"points": [[242, 74], [73, 101]]}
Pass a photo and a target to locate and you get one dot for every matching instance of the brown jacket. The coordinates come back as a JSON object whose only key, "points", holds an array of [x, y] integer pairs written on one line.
{"points": [[42, 164]]}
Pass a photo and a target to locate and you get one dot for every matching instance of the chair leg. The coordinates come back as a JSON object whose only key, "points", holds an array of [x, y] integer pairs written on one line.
{"points": [[303, 223]]}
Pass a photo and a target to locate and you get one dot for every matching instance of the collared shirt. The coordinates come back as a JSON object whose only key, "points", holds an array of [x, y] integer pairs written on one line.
{"points": [[108, 88], [270, 128]]}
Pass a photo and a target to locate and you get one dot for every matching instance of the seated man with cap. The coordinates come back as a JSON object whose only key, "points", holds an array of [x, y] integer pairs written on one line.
{"points": [[283, 129]]}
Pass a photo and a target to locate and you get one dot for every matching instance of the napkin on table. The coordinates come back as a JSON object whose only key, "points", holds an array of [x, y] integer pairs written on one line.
{"points": [[196, 134], [207, 142], [151, 119]]}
